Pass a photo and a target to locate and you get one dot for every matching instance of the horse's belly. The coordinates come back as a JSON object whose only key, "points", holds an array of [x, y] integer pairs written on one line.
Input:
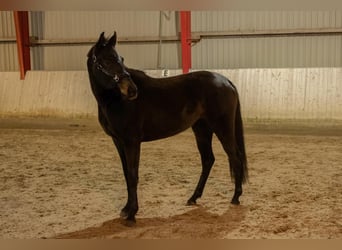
{"points": [[165, 130], [168, 126], [168, 123]]}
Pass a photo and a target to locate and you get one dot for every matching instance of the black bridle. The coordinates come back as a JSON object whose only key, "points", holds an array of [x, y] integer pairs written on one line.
{"points": [[116, 77]]}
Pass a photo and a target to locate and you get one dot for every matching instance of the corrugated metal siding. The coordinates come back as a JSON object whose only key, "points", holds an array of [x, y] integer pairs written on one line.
{"points": [[264, 20], [83, 24], [8, 51], [274, 52], [88, 24], [267, 52]]}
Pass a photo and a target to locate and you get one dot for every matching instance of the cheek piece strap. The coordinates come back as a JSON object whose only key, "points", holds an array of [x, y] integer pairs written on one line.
{"points": [[117, 78]]}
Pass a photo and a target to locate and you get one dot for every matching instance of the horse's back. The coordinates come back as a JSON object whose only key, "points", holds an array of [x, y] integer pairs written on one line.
{"points": [[210, 90], [214, 80], [194, 79]]}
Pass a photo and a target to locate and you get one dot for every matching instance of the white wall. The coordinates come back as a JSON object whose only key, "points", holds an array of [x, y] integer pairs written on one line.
{"points": [[45, 93], [303, 93]]}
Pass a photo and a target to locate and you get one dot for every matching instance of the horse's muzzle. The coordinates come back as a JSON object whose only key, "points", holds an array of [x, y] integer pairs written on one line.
{"points": [[132, 94], [128, 89]]}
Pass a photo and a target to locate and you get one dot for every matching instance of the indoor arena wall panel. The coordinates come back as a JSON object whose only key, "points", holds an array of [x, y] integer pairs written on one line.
{"points": [[301, 93]]}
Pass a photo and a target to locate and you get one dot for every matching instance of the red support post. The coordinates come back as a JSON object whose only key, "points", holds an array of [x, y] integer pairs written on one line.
{"points": [[23, 41], [185, 18]]}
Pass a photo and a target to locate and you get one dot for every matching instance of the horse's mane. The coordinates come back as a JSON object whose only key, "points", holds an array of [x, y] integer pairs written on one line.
{"points": [[136, 72], [138, 75]]}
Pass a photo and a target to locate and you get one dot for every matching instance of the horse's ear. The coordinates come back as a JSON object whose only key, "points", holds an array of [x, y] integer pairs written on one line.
{"points": [[101, 41], [112, 40]]}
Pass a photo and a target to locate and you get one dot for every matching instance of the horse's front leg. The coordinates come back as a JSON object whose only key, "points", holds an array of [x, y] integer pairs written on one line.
{"points": [[121, 151], [132, 156]]}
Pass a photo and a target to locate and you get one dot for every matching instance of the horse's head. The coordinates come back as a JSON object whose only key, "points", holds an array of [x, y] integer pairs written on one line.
{"points": [[106, 65]]}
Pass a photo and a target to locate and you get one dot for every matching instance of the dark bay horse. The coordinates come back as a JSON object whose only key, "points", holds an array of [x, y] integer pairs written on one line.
{"points": [[134, 108]]}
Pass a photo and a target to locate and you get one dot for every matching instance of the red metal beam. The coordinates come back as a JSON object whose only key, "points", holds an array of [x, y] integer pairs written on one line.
{"points": [[185, 18], [23, 41]]}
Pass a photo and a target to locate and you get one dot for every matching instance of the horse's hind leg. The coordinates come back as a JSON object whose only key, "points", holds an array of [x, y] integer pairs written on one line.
{"points": [[226, 135], [204, 136]]}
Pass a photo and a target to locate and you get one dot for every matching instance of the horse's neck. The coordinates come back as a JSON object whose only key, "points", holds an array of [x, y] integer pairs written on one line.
{"points": [[103, 97], [138, 76]]}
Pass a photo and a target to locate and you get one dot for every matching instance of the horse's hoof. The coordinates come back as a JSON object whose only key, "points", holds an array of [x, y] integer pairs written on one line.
{"points": [[191, 203], [123, 214], [235, 202], [129, 223]]}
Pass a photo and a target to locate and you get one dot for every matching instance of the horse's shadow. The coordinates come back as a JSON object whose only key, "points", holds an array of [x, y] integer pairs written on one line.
{"points": [[196, 223]]}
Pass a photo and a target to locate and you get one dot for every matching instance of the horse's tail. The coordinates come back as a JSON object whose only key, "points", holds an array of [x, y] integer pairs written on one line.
{"points": [[240, 141]]}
